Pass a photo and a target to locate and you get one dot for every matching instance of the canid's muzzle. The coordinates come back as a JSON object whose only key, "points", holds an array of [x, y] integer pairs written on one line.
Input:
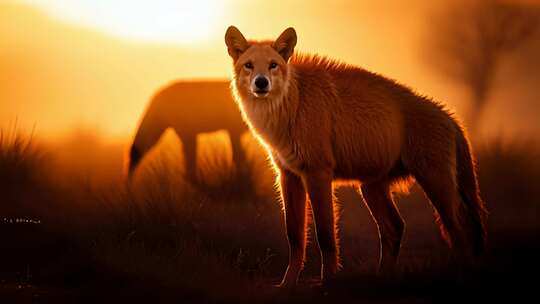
{"points": [[260, 85]]}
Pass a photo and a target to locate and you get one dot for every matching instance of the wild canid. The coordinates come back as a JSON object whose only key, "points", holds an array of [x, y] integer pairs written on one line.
{"points": [[189, 108], [323, 120]]}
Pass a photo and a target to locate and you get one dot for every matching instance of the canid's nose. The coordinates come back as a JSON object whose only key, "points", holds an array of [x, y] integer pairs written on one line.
{"points": [[261, 83]]}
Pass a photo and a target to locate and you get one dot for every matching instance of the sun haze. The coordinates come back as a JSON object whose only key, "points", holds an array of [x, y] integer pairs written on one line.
{"points": [[161, 21], [96, 63]]}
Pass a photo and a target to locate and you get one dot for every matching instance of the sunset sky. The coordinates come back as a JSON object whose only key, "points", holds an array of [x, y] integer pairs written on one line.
{"points": [[68, 64]]}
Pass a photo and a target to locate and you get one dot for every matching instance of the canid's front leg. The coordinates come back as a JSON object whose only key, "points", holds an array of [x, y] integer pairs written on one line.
{"points": [[294, 201], [319, 189]]}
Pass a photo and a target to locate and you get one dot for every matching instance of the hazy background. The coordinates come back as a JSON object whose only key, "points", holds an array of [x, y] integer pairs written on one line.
{"points": [[76, 76], [68, 65]]}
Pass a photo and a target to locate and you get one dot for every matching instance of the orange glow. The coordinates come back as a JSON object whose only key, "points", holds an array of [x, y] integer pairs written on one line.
{"points": [[162, 21], [95, 64]]}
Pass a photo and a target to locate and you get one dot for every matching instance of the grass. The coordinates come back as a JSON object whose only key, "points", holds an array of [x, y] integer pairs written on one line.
{"points": [[21, 173], [162, 238]]}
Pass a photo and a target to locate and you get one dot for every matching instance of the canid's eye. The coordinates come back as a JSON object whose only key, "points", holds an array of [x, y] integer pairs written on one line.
{"points": [[248, 65], [273, 65]]}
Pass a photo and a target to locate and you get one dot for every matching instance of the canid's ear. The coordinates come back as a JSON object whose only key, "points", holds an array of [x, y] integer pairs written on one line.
{"points": [[285, 43], [236, 43]]}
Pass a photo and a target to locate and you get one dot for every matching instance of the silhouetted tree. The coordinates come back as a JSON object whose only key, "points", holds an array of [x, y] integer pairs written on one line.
{"points": [[467, 42]]}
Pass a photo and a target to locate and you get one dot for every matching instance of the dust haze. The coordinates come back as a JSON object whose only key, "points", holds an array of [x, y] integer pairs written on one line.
{"points": [[72, 98]]}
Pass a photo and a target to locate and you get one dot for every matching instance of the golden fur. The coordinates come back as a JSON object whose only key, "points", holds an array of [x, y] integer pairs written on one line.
{"points": [[324, 120]]}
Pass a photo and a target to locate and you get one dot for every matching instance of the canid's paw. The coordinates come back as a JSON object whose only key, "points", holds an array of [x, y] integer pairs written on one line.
{"points": [[287, 285], [290, 278]]}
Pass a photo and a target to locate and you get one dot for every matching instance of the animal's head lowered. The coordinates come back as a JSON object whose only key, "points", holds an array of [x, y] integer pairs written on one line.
{"points": [[261, 69], [148, 134], [132, 161]]}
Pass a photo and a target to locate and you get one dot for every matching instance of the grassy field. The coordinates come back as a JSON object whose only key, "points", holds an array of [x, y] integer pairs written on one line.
{"points": [[71, 230]]}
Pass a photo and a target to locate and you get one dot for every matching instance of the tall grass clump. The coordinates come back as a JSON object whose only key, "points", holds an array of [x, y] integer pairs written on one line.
{"points": [[170, 233], [22, 171]]}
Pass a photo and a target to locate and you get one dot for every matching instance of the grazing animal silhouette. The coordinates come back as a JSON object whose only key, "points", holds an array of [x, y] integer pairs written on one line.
{"points": [[322, 120], [189, 108]]}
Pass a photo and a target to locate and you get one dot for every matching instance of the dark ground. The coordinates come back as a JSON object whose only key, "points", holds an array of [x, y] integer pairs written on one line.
{"points": [[167, 241]]}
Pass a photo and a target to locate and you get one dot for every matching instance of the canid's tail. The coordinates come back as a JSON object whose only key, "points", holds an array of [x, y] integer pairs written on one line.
{"points": [[474, 207]]}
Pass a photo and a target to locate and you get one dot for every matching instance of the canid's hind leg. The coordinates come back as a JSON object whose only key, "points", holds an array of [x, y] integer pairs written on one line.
{"points": [[379, 201], [440, 187], [189, 144]]}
